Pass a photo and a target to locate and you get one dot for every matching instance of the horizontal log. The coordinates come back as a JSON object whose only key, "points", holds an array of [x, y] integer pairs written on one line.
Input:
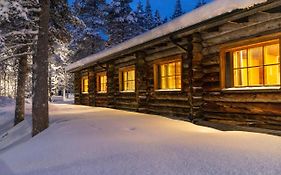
{"points": [[169, 46], [123, 64], [211, 61], [263, 16], [243, 108], [211, 69], [212, 77], [245, 98], [124, 59], [268, 119], [259, 27], [169, 105], [170, 113], [166, 53]]}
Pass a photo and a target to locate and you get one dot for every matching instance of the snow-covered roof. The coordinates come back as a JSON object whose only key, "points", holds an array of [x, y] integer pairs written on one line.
{"points": [[206, 12]]}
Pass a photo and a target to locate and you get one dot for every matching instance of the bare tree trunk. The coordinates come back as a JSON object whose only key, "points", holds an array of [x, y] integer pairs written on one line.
{"points": [[40, 113], [20, 97]]}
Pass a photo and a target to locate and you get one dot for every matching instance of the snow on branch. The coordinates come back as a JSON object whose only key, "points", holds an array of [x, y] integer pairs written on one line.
{"points": [[22, 32], [16, 55]]}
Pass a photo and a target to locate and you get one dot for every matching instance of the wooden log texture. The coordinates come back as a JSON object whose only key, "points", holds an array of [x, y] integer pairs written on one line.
{"points": [[77, 87]]}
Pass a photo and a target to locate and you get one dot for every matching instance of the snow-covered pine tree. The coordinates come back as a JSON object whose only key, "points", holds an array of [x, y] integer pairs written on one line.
{"points": [[200, 3], [140, 15], [18, 23], [149, 20], [59, 51], [165, 20], [121, 22], [90, 36], [178, 10], [157, 19]]}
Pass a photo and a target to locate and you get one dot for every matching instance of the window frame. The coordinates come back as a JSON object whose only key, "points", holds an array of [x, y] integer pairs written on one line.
{"points": [[121, 79], [163, 61], [85, 77], [99, 84], [246, 45]]}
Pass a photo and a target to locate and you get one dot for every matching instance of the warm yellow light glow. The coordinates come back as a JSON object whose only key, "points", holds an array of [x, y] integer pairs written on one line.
{"points": [[85, 84], [170, 75], [240, 62], [257, 66], [270, 75], [102, 82], [129, 80]]}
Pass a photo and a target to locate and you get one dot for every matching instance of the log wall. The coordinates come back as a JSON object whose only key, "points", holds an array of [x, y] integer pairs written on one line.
{"points": [[201, 96], [257, 108]]}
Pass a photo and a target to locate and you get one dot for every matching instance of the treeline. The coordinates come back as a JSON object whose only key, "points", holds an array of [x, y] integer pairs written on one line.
{"points": [[105, 24]]}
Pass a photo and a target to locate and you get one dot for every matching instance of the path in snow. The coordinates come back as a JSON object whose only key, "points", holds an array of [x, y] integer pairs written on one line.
{"points": [[97, 141]]}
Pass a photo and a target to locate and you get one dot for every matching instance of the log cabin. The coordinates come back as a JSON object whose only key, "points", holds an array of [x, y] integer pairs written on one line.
{"points": [[219, 63]]}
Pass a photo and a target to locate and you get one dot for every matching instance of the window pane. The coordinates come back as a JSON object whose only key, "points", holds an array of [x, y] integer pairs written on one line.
{"points": [[132, 85], [163, 83], [101, 79], [255, 76], [105, 79], [240, 77], [85, 83], [178, 68], [171, 69], [272, 75], [240, 59], [125, 88], [255, 56], [172, 82], [125, 76], [178, 82], [162, 70], [131, 75], [271, 54]]}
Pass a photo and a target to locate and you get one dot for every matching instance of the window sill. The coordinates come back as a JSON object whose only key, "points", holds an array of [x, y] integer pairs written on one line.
{"points": [[102, 92], [127, 91], [168, 90], [85, 93], [253, 89]]}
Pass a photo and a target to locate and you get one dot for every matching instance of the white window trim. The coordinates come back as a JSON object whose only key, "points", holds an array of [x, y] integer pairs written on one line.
{"points": [[129, 91], [168, 90], [253, 88]]}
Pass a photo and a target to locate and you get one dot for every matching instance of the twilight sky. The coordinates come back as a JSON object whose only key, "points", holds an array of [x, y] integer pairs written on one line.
{"points": [[166, 7]]}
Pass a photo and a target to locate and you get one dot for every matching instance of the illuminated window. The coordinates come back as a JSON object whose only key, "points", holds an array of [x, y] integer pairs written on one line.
{"points": [[102, 82], [85, 84], [168, 75], [127, 79], [253, 66]]}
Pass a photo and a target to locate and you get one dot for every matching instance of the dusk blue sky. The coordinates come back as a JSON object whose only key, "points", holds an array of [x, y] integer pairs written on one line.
{"points": [[166, 7]]}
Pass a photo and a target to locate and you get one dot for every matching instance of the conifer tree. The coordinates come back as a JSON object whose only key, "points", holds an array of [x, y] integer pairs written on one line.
{"points": [[165, 20], [149, 21], [89, 36], [178, 10], [157, 18], [121, 22], [200, 3], [140, 16]]}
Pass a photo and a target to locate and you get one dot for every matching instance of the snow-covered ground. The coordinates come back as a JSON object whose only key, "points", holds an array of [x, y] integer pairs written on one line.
{"points": [[98, 141]]}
